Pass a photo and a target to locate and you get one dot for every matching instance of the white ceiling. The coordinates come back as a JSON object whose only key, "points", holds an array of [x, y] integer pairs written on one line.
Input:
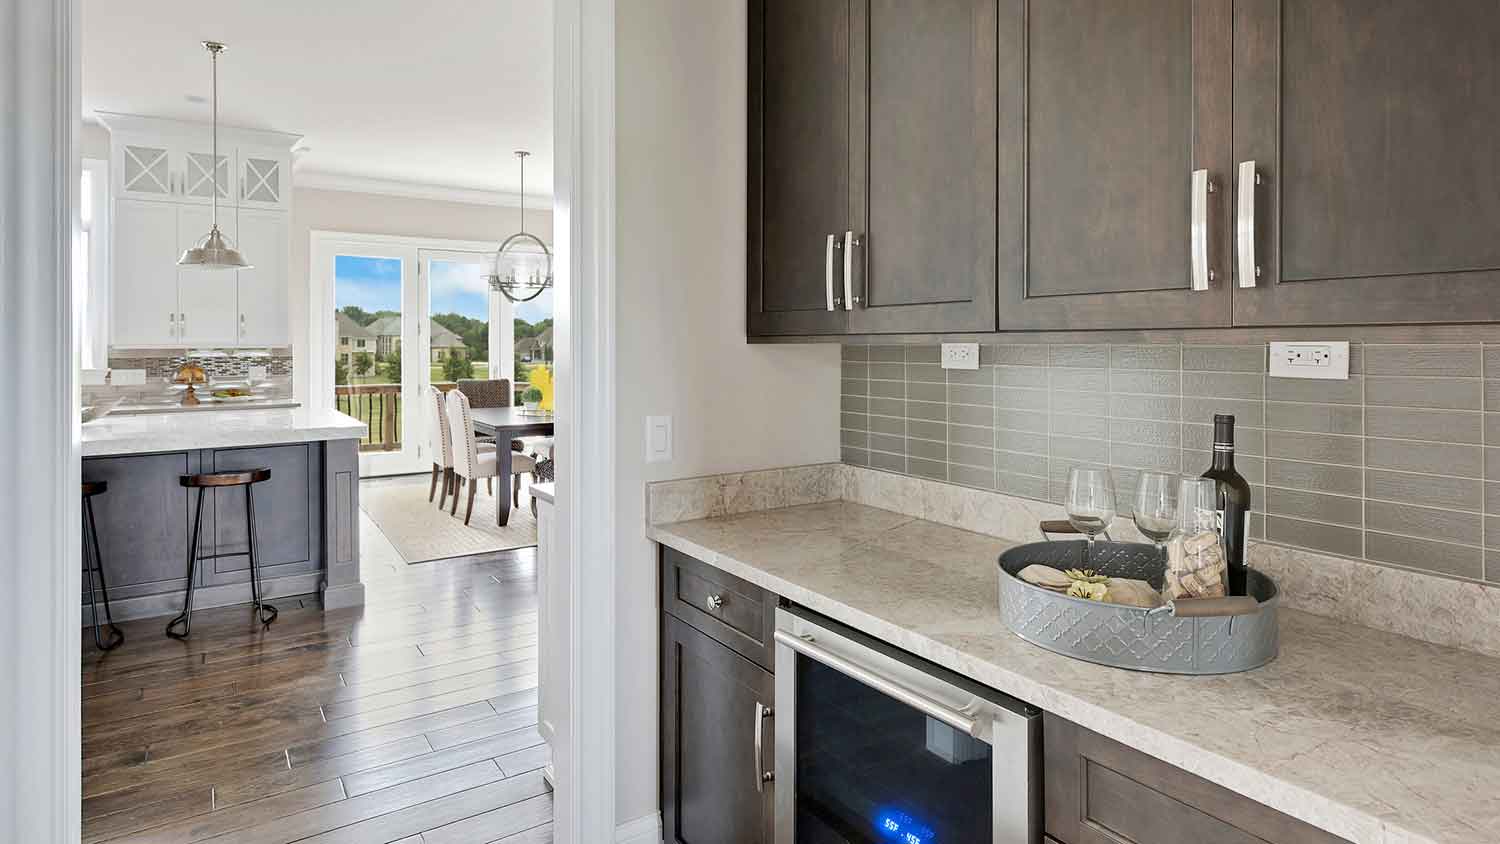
{"points": [[427, 92]]}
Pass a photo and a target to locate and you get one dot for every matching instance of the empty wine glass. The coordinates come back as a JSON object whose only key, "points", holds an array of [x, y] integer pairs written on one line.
{"points": [[1091, 501], [1156, 506]]}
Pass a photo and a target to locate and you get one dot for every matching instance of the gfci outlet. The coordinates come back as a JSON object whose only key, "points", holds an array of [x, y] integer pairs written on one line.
{"points": [[1328, 361], [960, 355]]}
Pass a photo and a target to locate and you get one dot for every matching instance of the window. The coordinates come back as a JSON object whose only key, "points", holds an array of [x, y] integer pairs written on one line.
{"points": [[360, 344], [91, 264]]}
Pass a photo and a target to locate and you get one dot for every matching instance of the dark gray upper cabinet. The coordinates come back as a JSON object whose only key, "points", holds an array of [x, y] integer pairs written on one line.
{"points": [[1373, 125], [873, 167], [1107, 109], [709, 718], [924, 113], [799, 164]]}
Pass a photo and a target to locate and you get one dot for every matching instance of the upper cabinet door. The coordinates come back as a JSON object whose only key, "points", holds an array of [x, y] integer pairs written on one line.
{"points": [[1123, 100], [206, 299], [264, 240], [144, 171], [200, 178], [922, 256], [143, 279], [799, 166], [263, 179], [1373, 125]]}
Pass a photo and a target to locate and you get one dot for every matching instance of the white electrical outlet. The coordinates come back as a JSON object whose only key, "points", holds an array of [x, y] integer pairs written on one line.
{"points": [[960, 355], [1328, 360]]}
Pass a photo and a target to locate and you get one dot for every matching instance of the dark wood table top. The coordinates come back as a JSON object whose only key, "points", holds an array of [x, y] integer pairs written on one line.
{"points": [[511, 421]]}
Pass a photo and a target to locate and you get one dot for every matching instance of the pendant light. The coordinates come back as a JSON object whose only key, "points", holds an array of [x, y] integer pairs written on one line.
{"points": [[523, 266], [214, 251]]}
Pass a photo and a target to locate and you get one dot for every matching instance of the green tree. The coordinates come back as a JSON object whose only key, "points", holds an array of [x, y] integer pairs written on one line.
{"points": [[474, 332], [456, 367], [363, 363], [393, 366], [340, 372]]}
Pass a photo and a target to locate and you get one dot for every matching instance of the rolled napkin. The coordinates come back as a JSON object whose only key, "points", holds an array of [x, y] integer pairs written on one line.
{"points": [[1093, 587]]}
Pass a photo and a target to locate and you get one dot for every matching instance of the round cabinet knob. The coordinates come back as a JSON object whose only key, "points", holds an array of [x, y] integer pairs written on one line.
{"points": [[715, 602]]}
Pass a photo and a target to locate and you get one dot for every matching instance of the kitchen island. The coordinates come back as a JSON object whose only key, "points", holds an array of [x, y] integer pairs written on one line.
{"points": [[307, 513]]}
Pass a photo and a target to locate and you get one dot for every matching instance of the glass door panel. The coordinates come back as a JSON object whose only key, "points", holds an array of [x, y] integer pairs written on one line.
{"points": [[470, 327], [376, 377]]}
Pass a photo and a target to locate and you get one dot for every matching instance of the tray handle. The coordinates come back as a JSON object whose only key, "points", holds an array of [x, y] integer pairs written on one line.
{"points": [[1210, 607]]}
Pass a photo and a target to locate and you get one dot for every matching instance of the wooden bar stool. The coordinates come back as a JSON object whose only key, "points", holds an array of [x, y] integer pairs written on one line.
{"points": [[93, 561], [215, 480]]}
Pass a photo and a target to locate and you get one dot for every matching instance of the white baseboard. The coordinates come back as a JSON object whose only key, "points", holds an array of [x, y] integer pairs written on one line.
{"points": [[643, 830]]}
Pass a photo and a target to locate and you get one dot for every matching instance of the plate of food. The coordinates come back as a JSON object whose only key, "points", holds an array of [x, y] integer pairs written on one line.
{"points": [[232, 394]]}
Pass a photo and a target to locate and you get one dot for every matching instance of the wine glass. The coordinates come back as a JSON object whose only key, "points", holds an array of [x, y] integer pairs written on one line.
{"points": [[1156, 506], [1091, 501]]}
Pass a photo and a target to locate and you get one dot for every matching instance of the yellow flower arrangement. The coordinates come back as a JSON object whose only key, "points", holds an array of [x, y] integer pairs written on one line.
{"points": [[541, 378]]}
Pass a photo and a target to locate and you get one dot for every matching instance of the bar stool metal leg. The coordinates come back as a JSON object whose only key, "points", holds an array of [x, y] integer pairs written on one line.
{"points": [[94, 559], [266, 612], [185, 618]]}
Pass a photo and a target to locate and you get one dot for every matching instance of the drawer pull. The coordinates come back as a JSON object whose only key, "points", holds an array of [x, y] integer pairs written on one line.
{"points": [[714, 602]]}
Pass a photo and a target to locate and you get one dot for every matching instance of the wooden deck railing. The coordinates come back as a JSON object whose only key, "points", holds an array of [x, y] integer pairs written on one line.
{"points": [[379, 406]]}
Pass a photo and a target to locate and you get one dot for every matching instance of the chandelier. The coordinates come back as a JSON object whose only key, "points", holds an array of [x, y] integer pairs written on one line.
{"points": [[523, 266]]}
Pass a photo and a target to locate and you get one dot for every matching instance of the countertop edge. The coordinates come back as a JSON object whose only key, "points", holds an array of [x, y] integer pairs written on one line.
{"points": [[157, 441], [1331, 816]]}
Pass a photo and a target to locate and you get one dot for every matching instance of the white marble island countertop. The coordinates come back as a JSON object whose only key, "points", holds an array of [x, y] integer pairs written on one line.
{"points": [[1374, 737], [138, 434]]}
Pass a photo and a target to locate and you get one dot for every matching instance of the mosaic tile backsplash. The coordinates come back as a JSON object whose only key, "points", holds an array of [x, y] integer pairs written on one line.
{"points": [[1399, 465], [162, 364]]}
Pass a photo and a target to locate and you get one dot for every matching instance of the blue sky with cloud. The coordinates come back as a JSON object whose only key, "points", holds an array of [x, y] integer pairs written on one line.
{"points": [[375, 284]]}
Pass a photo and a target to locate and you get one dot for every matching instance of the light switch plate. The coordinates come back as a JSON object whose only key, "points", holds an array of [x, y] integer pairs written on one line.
{"points": [[1326, 360], [658, 439], [960, 355]]}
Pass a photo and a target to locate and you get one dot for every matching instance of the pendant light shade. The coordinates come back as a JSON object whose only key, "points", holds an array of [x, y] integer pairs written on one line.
{"points": [[523, 266], [214, 251]]}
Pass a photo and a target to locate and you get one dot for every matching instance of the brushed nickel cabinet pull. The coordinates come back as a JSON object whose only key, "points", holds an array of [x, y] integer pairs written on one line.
{"points": [[1249, 270], [1202, 270]]}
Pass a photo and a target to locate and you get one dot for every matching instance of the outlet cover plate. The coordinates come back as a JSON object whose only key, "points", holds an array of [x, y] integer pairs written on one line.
{"points": [[960, 355], [1326, 360]]}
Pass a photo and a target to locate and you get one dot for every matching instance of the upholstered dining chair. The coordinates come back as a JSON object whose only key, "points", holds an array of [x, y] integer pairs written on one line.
{"points": [[493, 392], [440, 443], [470, 463]]}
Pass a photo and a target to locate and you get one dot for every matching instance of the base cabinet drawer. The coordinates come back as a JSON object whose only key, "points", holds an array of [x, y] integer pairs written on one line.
{"points": [[1099, 791], [714, 702], [737, 614]]}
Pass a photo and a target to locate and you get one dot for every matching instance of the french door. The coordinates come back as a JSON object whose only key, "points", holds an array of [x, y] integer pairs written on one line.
{"points": [[400, 316]]}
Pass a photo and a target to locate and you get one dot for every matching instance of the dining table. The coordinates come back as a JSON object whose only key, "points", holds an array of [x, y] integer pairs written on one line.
{"points": [[506, 424]]}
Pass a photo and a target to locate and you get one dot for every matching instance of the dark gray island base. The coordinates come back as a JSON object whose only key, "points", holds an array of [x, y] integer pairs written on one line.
{"points": [[306, 517]]}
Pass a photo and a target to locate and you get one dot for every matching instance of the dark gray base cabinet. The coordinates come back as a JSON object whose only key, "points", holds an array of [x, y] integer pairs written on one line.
{"points": [[716, 656], [1098, 791]]}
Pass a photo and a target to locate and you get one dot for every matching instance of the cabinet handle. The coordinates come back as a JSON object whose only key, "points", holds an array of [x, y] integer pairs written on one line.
{"points": [[714, 602], [851, 242], [181, 325], [762, 712], [1249, 271], [1203, 271], [242, 326], [828, 272], [171, 324]]}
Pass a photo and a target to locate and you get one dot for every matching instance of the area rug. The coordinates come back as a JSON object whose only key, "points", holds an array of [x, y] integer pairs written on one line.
{"points": [[422, 533]]}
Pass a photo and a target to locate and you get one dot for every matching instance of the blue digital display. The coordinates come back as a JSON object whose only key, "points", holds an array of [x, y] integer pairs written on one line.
{"points": [[898, 826]]}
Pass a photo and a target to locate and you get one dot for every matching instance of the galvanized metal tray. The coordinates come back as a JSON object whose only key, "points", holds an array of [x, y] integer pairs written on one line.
{"points": [[1157, 640]]}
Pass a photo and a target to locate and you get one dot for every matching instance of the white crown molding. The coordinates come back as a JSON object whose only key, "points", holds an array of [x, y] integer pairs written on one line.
{"points": [[117, 122], [413, 190]]}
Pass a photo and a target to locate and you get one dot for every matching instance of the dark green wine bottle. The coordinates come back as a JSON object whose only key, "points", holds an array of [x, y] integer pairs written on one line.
{"points": [[1233, 504]]}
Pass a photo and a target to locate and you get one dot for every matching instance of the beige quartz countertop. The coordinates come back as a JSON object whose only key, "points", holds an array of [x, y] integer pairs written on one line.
{"points": [[1372, 736]]}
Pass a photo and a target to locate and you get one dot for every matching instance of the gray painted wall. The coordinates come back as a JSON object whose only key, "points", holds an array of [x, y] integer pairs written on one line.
{"points": [[1399, 465]]}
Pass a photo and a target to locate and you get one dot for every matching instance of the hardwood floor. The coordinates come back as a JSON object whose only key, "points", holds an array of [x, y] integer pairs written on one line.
{"points": [[412, 720]]}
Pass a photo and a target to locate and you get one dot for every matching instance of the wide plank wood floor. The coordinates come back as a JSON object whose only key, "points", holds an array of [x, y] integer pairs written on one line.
{"points": [[411, 720]]}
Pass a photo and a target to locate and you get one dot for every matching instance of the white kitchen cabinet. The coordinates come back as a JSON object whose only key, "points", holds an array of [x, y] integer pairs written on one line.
{"points": [[207, 300], [264, 239], [143, 170], [144, 274], [263, 176]]}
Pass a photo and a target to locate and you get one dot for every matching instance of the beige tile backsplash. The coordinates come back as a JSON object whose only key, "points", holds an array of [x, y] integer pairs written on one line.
{"points": [[1399, 465]]}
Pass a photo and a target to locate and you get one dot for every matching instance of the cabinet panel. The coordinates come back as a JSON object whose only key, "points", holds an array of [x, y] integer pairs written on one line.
{"points": [[264, 240], [709, 719], [1101, 792], [286, 513], [799, 173], [925, 111], [199, 179], [737, 613], [263, 179], [143, 520], [206, 299], [145, 171], [1124, 100], [143, 279], [1373, 126]]}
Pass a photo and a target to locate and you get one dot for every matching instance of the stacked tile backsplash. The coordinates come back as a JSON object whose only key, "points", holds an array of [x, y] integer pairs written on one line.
{"points": [[162, 364], [1399, 465]]}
